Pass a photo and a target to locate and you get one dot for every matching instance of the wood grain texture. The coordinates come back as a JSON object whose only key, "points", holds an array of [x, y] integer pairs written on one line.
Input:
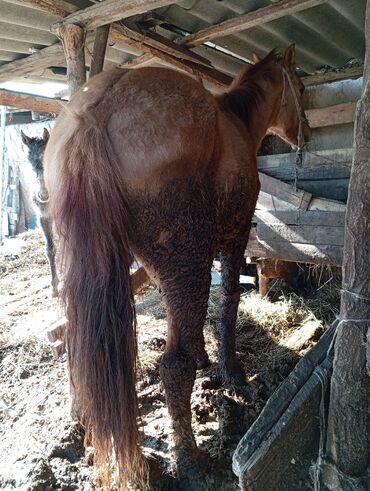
{"points": [[249, 20], [109, 11], [348, 441], [30, 102], [331, 115], [73, 40]]}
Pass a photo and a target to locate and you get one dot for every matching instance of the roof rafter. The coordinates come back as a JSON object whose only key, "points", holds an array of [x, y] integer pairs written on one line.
{"points": [[249, 20]]}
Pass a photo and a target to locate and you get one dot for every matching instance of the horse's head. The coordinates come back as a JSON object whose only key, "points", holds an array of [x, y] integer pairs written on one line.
{"points": [[36, 148], [289, 120]]}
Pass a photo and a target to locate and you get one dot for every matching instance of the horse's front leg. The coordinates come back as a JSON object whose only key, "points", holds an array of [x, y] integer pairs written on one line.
{"points": [[229, 366], [50, 251]]}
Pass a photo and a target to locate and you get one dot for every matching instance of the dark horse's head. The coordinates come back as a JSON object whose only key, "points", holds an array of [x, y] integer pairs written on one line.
{"points": [[36, 148]]}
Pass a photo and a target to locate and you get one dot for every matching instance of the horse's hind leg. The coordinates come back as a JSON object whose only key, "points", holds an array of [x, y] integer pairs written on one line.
{"points": [[186, 298], [231, 261]]}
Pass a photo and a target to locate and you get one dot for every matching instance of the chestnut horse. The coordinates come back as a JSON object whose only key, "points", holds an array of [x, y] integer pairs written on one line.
{"points": [[147, 163]]}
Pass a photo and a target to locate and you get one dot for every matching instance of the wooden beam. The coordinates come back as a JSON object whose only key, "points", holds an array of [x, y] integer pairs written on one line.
{"points": [[30, 102], [333, 76], [109, 11], [100, 46], [52, 55], [73, 40], [249, 20], [331, 115], [148, 40]]}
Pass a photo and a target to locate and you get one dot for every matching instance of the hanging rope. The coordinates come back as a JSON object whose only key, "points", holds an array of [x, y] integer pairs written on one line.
{"points": [[300, 136]]}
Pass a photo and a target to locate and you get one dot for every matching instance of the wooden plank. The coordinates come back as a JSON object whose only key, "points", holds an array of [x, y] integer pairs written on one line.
{"points": [[333, 76], [30, 102], [267, 202], [324, 164], [301, 234], [249, 20], [280, 400], [145, 41], [331, 115], [326, 205], [331, 188], [291, 217], [109, 11], [52, 55], [100, 46], [285, 192], [297, 252]]}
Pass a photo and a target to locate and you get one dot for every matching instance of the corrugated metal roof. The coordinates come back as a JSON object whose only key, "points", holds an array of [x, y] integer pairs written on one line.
{"points": [[328, 35]]}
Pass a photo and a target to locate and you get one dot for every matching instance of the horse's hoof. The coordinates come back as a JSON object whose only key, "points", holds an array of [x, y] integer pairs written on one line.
{"points": [[190, 460], [191, 466], [233, 375]]}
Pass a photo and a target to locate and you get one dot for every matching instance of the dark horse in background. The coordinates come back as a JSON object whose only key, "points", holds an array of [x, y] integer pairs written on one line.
{"points": [[147, 163], [36, 148]]}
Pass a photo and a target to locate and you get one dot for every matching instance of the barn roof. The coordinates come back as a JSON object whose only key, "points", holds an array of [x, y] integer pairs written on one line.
{"points": [[212, 38]]}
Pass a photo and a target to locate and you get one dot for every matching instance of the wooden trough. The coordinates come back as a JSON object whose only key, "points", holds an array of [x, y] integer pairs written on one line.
{"points": [[278, 450]]}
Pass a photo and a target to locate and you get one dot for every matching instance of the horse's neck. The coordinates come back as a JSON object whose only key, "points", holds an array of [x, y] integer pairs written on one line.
{"points": [[261, 101], [264, 114]]}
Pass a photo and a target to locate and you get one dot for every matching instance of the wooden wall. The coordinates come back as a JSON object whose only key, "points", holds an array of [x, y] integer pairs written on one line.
{"points": [[326, 174]]}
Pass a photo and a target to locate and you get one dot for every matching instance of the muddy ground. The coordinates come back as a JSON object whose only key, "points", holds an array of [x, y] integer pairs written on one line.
{"points": [[40, 449]]}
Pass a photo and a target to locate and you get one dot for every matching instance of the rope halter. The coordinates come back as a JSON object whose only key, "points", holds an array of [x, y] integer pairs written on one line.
{"points": [[298, 108]]}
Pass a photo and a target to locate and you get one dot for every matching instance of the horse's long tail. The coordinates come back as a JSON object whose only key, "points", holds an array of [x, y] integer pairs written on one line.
{"points": [[91, 216]]}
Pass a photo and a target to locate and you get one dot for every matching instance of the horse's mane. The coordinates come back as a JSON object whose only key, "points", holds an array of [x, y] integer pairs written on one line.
{"points": [[245, 93]]}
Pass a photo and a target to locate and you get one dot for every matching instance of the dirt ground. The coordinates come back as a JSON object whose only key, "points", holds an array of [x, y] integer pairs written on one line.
{"points": [[40, 449]]}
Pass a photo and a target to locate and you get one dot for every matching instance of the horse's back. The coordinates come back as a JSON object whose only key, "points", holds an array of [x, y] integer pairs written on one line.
{"points": [[162, 124]]}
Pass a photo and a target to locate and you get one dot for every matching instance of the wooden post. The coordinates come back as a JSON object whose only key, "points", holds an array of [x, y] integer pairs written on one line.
{"points": [[2, 154], [347, 456], [73, 40], [100, 46]]}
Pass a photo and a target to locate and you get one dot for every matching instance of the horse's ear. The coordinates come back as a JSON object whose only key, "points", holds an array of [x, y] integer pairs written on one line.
{"points": [[289, 57], [256, 58], [45, 135], [26, 139]]}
